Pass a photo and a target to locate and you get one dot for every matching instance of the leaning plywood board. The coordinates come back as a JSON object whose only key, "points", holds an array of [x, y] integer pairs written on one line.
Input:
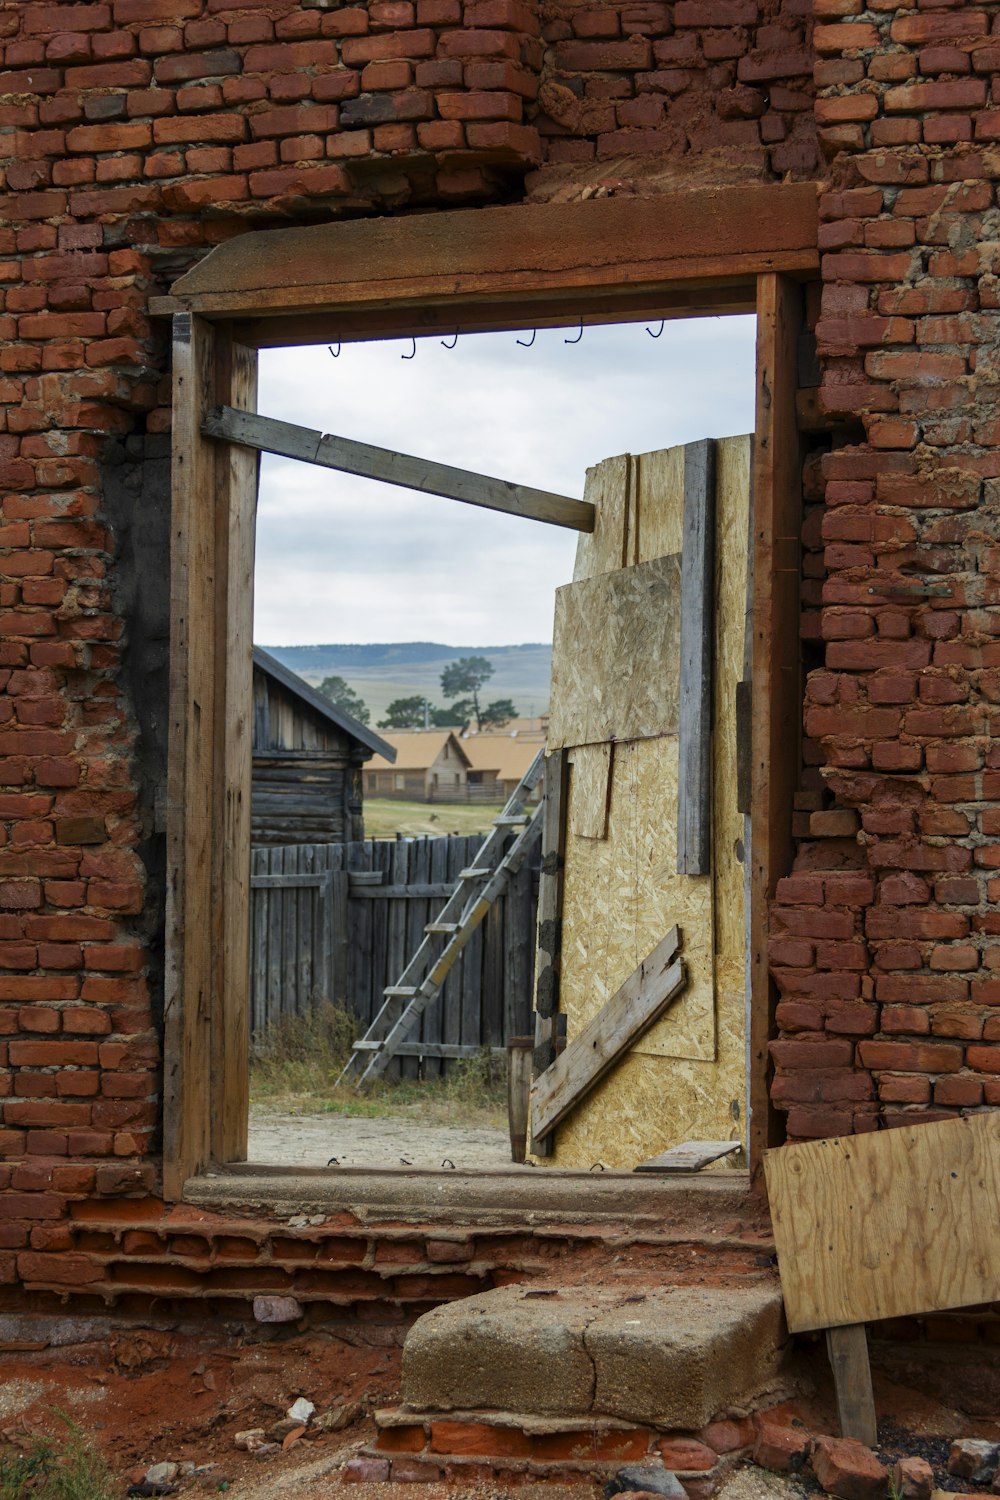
{"points": [[887, 1225], [685, 1079], [615, 648], [630, 1011]]}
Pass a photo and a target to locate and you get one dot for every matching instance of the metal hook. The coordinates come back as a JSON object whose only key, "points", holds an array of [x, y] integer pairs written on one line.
{"points": [[413, 354], [445, 344], [578, 337], [330, 347], [663, 324], [527, 343]]}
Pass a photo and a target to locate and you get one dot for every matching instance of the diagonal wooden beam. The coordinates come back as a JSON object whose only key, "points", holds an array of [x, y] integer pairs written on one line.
{"points": [[350, 457], [618, 1025]]}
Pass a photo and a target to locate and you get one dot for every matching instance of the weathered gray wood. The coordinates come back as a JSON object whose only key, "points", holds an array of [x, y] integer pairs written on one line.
{"points": [[550, 894], [690, 1156], [435, 890], [847, 1347], [519, 1050], [694, 782], [629, 1013], [350, 457]]}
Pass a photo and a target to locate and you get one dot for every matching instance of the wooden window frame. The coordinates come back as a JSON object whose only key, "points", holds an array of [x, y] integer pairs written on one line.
{"points": [[699, 252]]}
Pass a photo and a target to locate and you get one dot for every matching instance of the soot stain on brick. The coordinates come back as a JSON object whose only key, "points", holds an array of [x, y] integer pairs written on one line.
{"points": [[136, 473]]}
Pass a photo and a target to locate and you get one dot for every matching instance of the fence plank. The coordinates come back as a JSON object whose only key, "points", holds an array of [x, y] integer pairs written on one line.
{"points": [[318, 934]]}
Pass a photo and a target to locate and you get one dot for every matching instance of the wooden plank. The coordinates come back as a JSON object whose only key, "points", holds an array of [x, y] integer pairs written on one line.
{"points": [[550, 896], [887, 1225], [434, 890], [603, 627], [340, 937], [189, 969], [519, 1051], [852, 1380], [776, 669], [292, 880], [694, 782], [388, 467], [616, 1027], [690, 1156], [519, 251]]}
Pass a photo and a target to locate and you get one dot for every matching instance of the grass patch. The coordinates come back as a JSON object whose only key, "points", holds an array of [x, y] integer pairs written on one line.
{"points": [[297, 1064], [385, 817], [66, 1468]]}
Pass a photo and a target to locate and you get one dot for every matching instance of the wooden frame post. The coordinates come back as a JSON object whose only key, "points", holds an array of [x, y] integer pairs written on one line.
{"points": [[206, 1068], [776, 665]]}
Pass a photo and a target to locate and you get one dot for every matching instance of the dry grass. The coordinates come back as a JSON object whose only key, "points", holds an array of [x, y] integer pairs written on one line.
{"points": [[296, 1067], [384, 818]]}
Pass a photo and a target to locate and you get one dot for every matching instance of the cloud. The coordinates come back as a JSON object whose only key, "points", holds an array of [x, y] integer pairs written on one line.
{"points": [[344, 559]]}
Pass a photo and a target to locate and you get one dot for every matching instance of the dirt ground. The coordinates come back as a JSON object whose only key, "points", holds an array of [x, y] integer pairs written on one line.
{"points": [[311, 1141], [147, 1396]]}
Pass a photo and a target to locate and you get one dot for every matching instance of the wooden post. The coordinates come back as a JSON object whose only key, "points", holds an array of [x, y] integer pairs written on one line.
{"points": [[777, 695], [207, 968], [519, 1050], [852, 1379], [694, 777]]}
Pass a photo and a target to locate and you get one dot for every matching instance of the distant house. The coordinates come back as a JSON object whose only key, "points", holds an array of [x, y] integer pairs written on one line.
{"points": [[307, 760], [498, 761], [427, 765]]}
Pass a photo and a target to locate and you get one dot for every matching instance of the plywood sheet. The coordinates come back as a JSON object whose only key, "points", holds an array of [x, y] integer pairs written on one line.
{"points": [[686, 1078], [607, 489], [614, 656], [889, 1224], [590, 790]]}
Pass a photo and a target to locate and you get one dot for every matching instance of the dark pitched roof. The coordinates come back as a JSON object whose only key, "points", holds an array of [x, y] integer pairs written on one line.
{"points": [[344, 721]]}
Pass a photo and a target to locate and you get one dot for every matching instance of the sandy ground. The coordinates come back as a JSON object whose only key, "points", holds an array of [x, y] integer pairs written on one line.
{"points": [[311, 1140]]}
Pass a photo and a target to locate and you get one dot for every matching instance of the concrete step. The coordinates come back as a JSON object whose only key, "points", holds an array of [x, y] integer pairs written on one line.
{"points": [[672, 1357]]}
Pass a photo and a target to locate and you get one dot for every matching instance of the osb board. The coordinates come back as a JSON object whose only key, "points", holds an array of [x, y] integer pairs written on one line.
{"points": [[887, 1225], [615, 650], [607, 489], [590, 790], [687, 1079]]}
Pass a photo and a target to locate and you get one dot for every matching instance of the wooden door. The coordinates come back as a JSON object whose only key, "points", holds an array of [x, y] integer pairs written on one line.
{"points": [[615, 710]]}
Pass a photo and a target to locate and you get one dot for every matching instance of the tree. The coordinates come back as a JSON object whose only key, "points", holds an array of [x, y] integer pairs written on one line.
{"points": [[498, 713], [466, 676], [457, 714], [342, 695], [406, 713]]}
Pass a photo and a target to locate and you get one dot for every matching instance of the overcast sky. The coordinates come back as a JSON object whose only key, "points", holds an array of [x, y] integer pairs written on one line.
{"points": [[344, 559]]}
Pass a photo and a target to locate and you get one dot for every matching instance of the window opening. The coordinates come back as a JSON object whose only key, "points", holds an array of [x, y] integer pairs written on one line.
{"points": [[376, 571]]}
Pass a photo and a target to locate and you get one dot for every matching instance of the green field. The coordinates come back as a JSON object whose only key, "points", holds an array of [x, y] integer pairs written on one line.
{"points": [[384, 818], [380, 673]]}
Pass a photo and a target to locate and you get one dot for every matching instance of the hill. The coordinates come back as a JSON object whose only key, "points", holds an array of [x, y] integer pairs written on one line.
{"points": [[381, 672]]}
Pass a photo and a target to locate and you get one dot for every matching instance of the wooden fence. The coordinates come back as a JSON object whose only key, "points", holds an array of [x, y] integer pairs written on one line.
{"points": [[338, 922]]}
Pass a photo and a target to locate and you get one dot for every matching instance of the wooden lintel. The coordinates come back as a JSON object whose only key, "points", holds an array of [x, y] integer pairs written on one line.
{"points": [[349, 457], [740, 230], [618, 1025]]}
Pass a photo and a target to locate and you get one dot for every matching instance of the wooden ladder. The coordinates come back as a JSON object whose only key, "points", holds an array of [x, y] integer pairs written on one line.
{"points": [[475, 892]]}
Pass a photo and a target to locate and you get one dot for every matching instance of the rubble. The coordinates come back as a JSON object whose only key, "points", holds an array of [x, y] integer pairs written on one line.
{"points": [[847, 1469]]}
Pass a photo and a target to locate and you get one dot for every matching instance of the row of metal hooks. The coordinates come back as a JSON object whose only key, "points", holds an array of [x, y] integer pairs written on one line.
{"points": [[524, 343]]}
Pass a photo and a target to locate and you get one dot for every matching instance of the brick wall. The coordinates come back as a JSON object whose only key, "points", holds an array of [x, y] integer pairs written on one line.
{"points": [[885, 944], [139, 133]]}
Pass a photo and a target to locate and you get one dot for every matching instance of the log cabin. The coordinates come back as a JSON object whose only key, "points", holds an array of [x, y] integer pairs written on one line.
{"points": [[307, 760]]}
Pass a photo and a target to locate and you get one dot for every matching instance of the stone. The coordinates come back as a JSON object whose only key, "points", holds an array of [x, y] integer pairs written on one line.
{"points": [[250, 1439], [687, 1455], [912, 1479], [974, 1458], [162, 1473], [279, 1430], [300, 1410], [778, 1445], [339, 1417], [849, 1470], [689, 1352], [649, 1478], [728, 1435], [274, 1309]]}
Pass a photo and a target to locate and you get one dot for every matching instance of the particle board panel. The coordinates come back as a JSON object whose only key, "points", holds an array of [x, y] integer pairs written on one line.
{"points": [[615, 649], [686, 1079], [606, 489], [590, 790], [887, 1225]]}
